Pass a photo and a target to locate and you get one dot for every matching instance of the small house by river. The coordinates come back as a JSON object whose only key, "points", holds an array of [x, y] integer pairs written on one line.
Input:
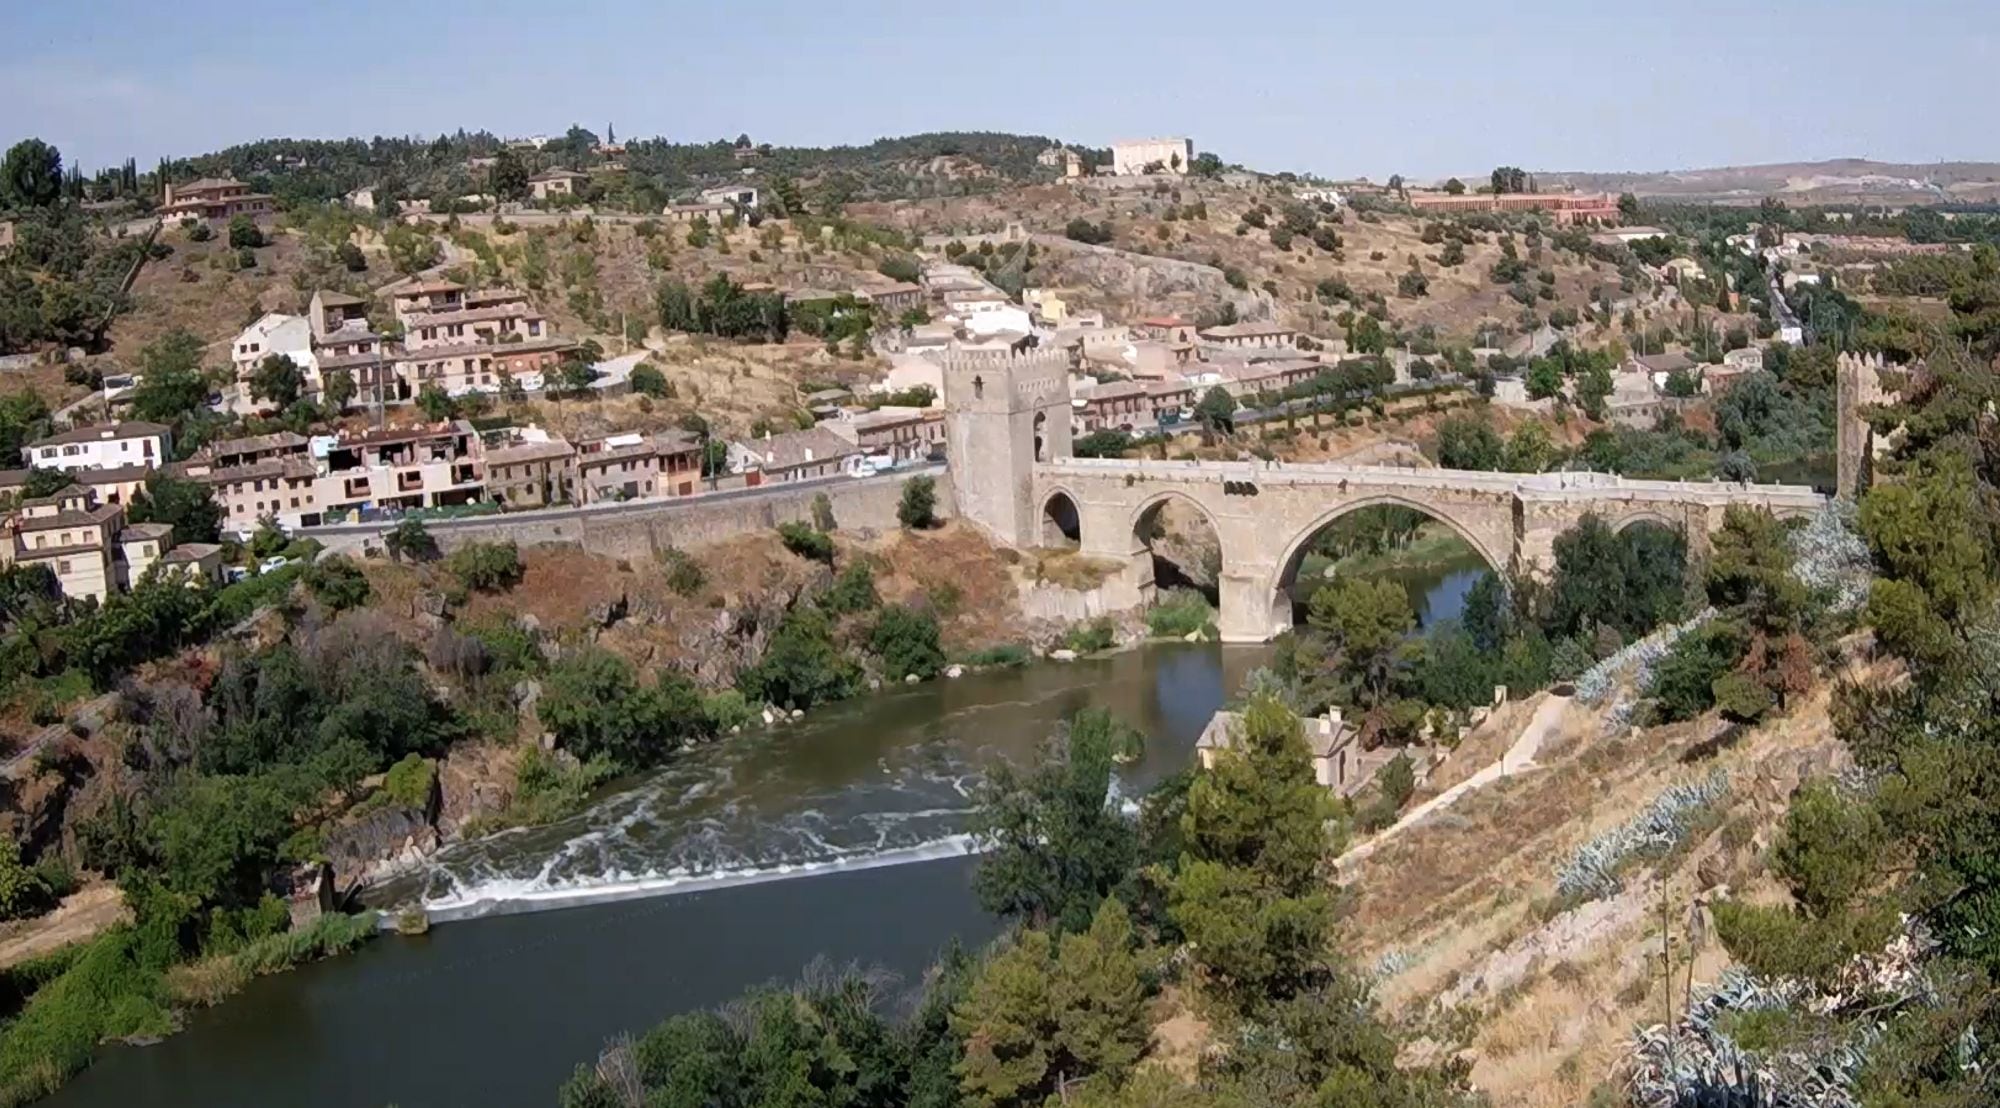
{"points": [[1338, 760]]}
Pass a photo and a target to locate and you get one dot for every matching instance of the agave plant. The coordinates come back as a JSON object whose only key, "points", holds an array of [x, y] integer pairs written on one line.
{"points": [[1591, 871]]}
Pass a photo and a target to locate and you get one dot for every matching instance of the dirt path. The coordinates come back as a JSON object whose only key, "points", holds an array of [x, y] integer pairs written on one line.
{"points": [[1545, 723], [81, 916]]}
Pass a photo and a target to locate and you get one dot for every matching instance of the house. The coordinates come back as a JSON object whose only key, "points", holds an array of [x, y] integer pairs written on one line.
{"points": [[1250, 336], [213, 198], [194, 561], [1320, 194], [251, 448], [1134, 157], [632, 466], [473, 366], [793, 456], [115, 485], [362, 198], [1112, 406], [1658, 365], [1626, 236], [282, 489], [507, 320], [557, 182], [1338, 760], [276, 333], [1045, 306], [1746, 358], [891, 301], [1637, 398], [1681, 270], [331, 313], [736, 196], [1166, 328], [900, 434], [532, 469], [104, 446], [419, 296], [690, 213], [419, 467], [84, 542], [1252, 378]]}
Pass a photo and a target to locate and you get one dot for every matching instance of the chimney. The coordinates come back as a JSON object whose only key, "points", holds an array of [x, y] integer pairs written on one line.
{"points": [[1333, 717]]}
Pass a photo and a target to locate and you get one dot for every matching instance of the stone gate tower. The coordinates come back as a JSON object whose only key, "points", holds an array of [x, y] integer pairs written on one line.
{"points": [[1858, 386], [1004, 413]]}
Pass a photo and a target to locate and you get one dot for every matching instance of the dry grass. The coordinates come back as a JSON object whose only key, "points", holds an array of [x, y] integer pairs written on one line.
{"points": [[1067, 569], [1469, 895]]}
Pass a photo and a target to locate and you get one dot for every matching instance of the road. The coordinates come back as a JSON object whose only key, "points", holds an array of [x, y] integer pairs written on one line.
{"points": [[623, 507]]}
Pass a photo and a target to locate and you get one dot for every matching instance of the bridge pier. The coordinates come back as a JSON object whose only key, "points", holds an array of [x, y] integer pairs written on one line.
{"points": [[1249, 607]]}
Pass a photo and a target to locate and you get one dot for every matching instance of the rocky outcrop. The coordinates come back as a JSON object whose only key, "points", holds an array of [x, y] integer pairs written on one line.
{"points": [[474, 780], [379, 840]]}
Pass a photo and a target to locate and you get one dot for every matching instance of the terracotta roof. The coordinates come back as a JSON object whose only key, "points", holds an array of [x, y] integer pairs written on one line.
{"points": [[797, 448], [459, 350], [256, 444], [1248, 330], [111, 475], [420, 288], [1665, 363], [558, 173], [104, 432], [134, 532], [208, 183], [330, 298], [518, 453], [190, 552], [469, 315], [87, 517], [295, 468]]}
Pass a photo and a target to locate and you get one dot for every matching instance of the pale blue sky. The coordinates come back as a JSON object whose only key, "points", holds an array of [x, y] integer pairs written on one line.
{"points": [[1425, 89]]}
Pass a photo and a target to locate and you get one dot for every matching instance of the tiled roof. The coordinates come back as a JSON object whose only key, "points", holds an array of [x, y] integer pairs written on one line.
{"points": [[797, 448], [103, 432]]}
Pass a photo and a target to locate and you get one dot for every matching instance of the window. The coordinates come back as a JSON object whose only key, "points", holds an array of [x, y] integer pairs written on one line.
{"points": [[62, 566]]}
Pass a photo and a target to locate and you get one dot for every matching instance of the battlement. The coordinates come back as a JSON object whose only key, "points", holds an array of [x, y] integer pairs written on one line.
{"points": [[1005, 381]]}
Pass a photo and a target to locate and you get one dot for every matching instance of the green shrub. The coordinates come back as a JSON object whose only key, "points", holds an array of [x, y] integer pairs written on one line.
{"points": [[1684, 681], [822, 512], [918, 507], [907, 641], [337, 583], [486, 566], [647, 380], [1008, 654], [1178, 613], [1091, 637], [684, 575], [548, 788], [111, 988], [726, 710], [806, 541], [852, 591], [411, 782]]}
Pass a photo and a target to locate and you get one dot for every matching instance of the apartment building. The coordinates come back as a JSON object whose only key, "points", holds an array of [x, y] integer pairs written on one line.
{"points": [[282, 490], [533, 469], [87, 544], [793, 456], [634, 466], [420, 467], [901, 434], [102, 446], [213, 198]]}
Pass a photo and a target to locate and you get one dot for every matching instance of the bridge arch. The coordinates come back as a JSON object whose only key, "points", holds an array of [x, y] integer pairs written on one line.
{"points": [[1061, 519], [1144, 521], [1656, 519], [1285, 574]]}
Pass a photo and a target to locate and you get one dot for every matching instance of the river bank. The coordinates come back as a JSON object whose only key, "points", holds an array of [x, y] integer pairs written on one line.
{"points": [[788, 844]]}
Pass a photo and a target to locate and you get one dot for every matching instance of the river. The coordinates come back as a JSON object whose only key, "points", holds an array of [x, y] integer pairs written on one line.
{"points": [[840, 837]]}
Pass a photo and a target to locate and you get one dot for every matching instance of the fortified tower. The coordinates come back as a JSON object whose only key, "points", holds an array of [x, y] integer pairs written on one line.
{"points": [[1004, 413], [1858, 386]]}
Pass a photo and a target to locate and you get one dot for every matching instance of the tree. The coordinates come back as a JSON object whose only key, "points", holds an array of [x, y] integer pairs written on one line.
{"points": [[1084, 231], [595, 707], [486, 566], [1364, 622], [411, 539], [1509, 178], [917, 509], [1454, 187], [337, 582], [647, 380], [436, 404], [278, 379], [1530, 450], [1468, 442], [32, 175], [1628, 206], [411, 250], [1545, 379], [1054, 846], [801, 666], [1251, 891], [906, 639], [509, 175], [1593, 388], [1097, 996], [173, 386], [1006, 1022], [1216, 410], [350, 256], [243, 233], [181, 503], [338, 387]]}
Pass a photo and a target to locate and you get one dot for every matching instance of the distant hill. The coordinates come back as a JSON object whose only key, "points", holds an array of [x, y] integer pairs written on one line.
{"points": [[1839, 181]]}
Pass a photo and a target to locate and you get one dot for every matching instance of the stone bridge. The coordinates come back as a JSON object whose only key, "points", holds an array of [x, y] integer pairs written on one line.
{"points": [[1008, 436], [1265, 516]]}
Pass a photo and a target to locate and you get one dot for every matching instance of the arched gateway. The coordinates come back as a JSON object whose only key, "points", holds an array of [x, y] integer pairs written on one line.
{"points": [[1004, 414]]}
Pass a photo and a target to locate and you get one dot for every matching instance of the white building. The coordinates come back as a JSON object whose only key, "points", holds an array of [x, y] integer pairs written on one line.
{"points": [[105, 446], [275, 333], [1155, 155], [742, 196]]}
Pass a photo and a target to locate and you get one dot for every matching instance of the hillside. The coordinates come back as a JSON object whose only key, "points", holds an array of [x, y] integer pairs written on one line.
{"points": [[1836, 181]]}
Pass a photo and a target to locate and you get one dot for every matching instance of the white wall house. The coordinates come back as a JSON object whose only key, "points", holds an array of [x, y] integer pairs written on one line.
{"points": [[1159, 155], [743, 196], [105, 446], [275, 333]]}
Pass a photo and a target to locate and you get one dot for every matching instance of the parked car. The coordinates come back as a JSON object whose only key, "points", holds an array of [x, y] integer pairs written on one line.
{"points": [[274, 562]]}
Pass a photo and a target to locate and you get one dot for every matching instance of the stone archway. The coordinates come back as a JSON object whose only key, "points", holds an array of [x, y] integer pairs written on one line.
{"points": [[1177, 541], [1278, 595], [1061, 522]]}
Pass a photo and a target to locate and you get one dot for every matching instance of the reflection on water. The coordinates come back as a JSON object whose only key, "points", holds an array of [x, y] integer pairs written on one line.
{"points": [[496, 1011]]}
